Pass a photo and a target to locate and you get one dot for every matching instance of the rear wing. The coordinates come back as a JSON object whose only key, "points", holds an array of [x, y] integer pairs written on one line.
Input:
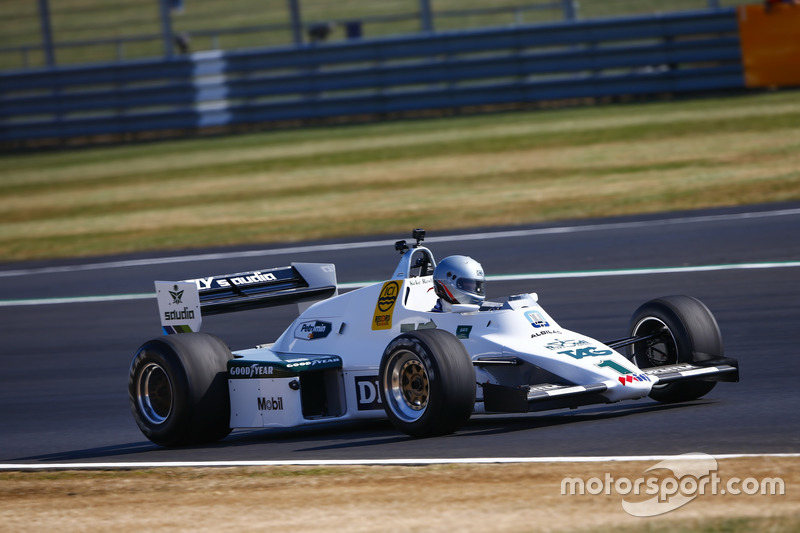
{"points": [[181, 304]]}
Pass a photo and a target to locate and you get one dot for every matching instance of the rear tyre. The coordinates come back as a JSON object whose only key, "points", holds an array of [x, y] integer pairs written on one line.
{"points": [[178, 389], [427, 383], [689, 334]]}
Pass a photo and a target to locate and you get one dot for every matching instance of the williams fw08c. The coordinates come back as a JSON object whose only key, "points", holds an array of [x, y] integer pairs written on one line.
{"points": [[406, 349]]}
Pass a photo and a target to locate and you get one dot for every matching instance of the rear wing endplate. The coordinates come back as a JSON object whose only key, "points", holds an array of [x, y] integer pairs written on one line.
{"points": [[181, 304]]}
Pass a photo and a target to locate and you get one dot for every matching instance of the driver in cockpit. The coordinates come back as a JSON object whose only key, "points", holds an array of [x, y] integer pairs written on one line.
{"points": [[458, 279]]}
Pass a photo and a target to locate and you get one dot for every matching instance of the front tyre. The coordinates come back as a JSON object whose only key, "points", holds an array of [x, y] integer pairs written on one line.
{"points": [[687, 333], [427, 383], [178, 389]]}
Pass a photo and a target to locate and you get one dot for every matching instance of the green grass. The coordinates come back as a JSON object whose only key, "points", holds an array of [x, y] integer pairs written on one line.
{"points": [[86, 20], [457, 172]]}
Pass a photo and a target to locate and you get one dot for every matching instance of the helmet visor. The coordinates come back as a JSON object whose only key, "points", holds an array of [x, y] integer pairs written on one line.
{"points": [[474, 286]]}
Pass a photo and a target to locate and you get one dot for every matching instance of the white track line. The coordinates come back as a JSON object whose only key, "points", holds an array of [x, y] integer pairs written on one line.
{"points": [[377, 462], [77, 299], [642, 271], [501, 277], [295, 250]]}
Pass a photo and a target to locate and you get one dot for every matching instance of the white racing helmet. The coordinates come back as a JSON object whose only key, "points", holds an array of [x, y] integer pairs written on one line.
{"points": [[459, 280]]}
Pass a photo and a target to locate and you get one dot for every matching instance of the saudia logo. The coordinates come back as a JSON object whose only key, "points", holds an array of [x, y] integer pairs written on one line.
{"points": [[313, 330], [185, 314], [255, 277]]}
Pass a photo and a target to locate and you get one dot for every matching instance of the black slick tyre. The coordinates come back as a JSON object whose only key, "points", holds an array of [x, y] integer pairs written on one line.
{"points": [[427, 383], [178, 389], [689, 334]]}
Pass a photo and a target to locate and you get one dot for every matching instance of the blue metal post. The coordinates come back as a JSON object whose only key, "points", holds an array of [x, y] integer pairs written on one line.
{"points": [[425, 16], [166, 27], [47, 33], [570, 8], [296, 21]]}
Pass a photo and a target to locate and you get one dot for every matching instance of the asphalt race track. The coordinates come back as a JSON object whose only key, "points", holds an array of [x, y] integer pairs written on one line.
{"points": [[64, 359]]}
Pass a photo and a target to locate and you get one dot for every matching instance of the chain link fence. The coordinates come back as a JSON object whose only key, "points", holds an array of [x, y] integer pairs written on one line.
{"points": [[37, 33]]}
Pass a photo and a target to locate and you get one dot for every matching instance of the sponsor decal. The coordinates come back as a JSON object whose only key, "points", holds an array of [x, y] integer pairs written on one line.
{"points": [[536, 319], [462, 332], [613, 365], [254, 370], [382, 322], [242, 279], [184, 314], [558, 344], [546, 332], [630, 378], [270, 404], [177, 296], [543, 388], [413, 327], [171, 330], [240, 369], [323, 362], [590, 351], [670, 369], [313, 330], [382, 319], [179, 306], [388, 296], [368, 393]]}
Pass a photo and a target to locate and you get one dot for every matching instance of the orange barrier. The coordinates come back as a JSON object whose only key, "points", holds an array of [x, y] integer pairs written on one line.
{"points": [[770, 41]]}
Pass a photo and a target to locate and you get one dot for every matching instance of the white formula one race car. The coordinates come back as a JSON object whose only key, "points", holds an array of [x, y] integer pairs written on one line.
{"points": [[390, 350]]}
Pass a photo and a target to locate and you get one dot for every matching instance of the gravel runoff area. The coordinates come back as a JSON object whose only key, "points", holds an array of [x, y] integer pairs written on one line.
{"points": [[449, 497]]}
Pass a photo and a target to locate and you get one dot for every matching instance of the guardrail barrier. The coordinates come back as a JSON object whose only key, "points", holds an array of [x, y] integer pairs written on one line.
{"points": [[647, 55]]}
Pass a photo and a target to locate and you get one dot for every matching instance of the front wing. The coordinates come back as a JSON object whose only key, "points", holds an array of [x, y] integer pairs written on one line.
{"points": [[546, 396]]}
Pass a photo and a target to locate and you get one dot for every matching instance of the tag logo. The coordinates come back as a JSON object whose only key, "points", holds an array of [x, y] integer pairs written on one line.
{"points": [[590, 351]]}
